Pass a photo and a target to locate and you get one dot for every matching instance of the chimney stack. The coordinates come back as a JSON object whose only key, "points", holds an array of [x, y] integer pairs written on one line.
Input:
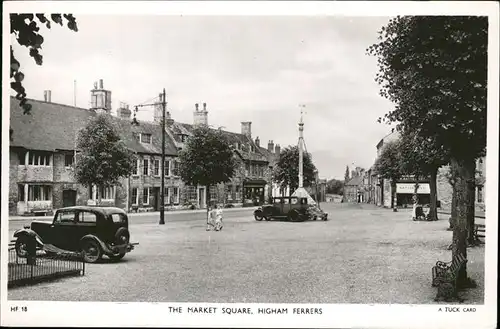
{"points": [[246, 129], [47, 95], [200, 117], [257, 141], [270, 146], [101, 84], [277, 149], [123, 112]]}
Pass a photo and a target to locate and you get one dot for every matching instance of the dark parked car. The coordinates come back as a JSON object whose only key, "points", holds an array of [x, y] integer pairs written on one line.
{"points": [[295, 209], [94, 231]]}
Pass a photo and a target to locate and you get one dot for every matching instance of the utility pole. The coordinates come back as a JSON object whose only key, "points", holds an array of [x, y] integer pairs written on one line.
{"points": [[162, 205]]}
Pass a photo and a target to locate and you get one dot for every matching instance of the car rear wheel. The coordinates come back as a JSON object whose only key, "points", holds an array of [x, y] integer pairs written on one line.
{"points": [[294, 216], [258, 215], [91, 251]]}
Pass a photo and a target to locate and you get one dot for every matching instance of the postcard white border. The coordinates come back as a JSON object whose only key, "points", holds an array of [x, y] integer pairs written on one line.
{"points": [[334, 315]]}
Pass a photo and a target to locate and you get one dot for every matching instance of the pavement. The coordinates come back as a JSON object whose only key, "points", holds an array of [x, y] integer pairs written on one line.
{"points": [[363, 254]]}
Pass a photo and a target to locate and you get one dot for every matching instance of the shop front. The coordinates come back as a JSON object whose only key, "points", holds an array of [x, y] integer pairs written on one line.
{"points": [[405, 192], [253, 191]]}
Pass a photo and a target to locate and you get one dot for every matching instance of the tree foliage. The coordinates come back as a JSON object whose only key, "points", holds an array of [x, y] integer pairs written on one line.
{"points": [[434, 70], [335, 186], [26, 29], [207, 159], [388, 165], [103, 158], [286, 171]]}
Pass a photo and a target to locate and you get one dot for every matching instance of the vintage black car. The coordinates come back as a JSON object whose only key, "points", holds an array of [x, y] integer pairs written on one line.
{"points": [[94, 231], [295, 209]]}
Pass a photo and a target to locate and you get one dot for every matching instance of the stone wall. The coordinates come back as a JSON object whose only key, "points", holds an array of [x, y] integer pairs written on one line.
{"points": [[13, 189]]}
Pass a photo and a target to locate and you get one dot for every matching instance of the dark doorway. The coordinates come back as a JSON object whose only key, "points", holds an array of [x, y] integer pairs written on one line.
{"points": [[69, 198], [156, 198]]}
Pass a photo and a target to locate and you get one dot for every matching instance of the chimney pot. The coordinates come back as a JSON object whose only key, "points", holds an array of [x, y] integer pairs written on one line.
{"points": [[270, 146], [101, 84], [257, 141], [196, 107], [204, 106]]}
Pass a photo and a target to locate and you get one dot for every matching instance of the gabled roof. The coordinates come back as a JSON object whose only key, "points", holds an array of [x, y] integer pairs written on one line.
{"points": [[177, 129], [52, 126], [355, 181]]}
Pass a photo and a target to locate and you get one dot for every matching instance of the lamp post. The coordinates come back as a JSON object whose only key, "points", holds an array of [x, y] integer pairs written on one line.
{"points": [[163, 100]]}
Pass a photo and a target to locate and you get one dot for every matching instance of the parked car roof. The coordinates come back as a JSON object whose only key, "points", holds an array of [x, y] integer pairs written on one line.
{"points": [[102, 210]]}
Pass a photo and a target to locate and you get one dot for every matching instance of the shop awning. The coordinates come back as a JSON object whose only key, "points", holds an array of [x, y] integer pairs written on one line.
{"points": [[254, 183]]}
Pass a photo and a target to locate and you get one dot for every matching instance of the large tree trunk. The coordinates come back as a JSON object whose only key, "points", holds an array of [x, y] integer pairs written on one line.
{"points": [[207, 201], [464, 177], [471, 189], [99, 193], [393, 195], [433, 195]]}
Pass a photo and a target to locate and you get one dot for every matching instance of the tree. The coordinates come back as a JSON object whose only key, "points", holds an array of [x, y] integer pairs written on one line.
{"points": [[207, 159], [27, 32], [434, 69], [422, 158], [286, 171], [346, 175], [388, 166], [335, 186], [103, 157]]}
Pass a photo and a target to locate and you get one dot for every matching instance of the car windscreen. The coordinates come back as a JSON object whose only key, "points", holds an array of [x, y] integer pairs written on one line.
{"points": [[118, 218]]}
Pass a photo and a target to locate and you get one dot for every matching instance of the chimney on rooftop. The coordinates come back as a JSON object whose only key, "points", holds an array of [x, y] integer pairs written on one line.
{"points": [[47, 95], [101, 84], [270, 146], [200, 117], [277, 149], [257, 141], [123, 112], [246, 129]]}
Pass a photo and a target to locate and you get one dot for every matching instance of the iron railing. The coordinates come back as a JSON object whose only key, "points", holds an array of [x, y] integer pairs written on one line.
{"points": [[42, 267]]}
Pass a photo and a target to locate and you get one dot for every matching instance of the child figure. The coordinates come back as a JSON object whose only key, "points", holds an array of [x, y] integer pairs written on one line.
{"points": [[215, 218]]}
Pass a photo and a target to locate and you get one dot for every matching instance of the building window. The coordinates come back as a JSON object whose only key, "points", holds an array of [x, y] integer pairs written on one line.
{"points": [[146, 138], [167, 168], [22, 157], [238, 193], [39, 193], [480, 194], [175, 195], [135, 170], [135, 196], [229, 192], [191, 193], [156, 167], [145, 168], [69, 160], [20, 192], [107, 193], [145, 196], [175, 168], [39, 159], [213, 193]]}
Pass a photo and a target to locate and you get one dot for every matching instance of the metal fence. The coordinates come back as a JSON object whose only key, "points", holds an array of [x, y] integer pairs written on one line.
{"points": [[42, 267]]}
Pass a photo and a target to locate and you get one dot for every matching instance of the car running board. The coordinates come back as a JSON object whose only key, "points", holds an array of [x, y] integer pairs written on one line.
{"points": [[54, 249]]}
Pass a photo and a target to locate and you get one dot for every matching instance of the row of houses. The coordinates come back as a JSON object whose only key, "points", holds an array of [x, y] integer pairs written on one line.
{"points": [[42, 154], [366, 186]]}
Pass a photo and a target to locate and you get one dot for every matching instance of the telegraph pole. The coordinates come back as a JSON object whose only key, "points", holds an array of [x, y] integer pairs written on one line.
{"points": [[162, 206]]}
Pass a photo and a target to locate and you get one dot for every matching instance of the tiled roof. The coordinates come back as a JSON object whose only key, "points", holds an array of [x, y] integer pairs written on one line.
{"points": [[52, 126], [355, 181], [178, 128]]}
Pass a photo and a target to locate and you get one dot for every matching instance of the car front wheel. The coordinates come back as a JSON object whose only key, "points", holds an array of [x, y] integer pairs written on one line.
{"points": [[258, 215], [91, 251]]}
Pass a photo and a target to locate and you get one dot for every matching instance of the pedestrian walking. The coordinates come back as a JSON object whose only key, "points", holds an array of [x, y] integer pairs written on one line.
{"points": [[215, 216]]}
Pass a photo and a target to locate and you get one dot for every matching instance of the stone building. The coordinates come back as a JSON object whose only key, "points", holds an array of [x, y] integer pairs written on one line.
{"points": [[250, 184], [42, 156]]}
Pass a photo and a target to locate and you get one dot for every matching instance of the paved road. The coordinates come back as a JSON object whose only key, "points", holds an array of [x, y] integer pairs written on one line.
{"points": [[363, 254]]}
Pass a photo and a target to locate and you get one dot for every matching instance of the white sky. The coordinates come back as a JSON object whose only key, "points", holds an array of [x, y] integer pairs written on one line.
{"points": [[253, 68]]}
